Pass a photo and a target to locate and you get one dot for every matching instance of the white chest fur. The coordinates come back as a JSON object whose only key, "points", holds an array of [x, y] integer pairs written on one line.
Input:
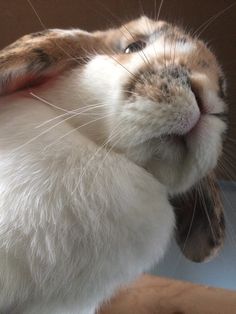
{"points": [[75, 222]]}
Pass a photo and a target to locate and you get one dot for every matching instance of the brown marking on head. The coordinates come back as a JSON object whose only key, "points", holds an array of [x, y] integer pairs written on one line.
{"points": [[59, 49], [45, 54], [203, 64], [45, 32], [199, 60], [161, 84]]}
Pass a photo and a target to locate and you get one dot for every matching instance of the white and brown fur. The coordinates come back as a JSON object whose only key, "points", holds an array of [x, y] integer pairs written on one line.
{"points": [[94, 143]]}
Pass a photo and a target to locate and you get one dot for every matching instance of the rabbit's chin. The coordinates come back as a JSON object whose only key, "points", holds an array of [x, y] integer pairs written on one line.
{"points": [[180, 161]]}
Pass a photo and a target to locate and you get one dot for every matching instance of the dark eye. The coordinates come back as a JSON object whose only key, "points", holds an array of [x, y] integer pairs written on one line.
{"points": [[135, 46]]}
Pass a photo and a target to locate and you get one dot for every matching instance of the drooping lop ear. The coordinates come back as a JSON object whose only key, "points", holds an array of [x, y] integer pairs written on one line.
{"points": [[37, 57], [34, 58], [200, 224]]}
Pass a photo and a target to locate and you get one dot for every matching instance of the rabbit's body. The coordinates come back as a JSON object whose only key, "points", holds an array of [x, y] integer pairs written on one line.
{"points": [[79, 214], [70, 230]]}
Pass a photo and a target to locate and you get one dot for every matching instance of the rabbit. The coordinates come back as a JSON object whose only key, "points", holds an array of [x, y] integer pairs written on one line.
{"points": [[102, 135]]}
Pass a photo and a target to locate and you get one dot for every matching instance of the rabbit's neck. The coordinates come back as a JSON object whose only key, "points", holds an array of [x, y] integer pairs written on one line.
{"points": [[90, 95], [76, 104]]}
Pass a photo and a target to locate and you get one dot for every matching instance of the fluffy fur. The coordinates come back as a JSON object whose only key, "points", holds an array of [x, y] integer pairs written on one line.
{"points": [[88, 161]]}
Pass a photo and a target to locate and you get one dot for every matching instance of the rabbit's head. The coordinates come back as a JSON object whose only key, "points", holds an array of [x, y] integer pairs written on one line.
{"points": [[165, 90], [162, 89]]}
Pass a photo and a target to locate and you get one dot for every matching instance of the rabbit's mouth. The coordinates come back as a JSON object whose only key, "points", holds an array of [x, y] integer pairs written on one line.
{"points": [[177, 144], [180, 160]]}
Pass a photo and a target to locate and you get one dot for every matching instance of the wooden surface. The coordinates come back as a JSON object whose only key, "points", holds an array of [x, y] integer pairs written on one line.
{"points": [[17, 17], [154, 295]]}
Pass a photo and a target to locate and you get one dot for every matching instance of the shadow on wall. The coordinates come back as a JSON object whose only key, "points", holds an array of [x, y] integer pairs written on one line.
{"points": [[221, 271]]}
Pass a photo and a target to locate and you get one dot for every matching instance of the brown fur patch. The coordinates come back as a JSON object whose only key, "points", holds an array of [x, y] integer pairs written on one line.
{"points": [[160, 84], [55, 51], [38, 55], [200, 228]]}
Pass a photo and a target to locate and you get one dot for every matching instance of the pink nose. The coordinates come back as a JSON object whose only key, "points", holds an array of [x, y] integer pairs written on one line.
{"points": [[189, 122], [190, 118]]}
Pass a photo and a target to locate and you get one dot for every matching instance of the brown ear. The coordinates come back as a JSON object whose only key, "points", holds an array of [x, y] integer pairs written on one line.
{"points": [[200, 224], [35, 58]]}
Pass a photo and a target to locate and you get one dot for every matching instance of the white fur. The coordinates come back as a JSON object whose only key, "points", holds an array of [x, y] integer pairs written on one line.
{"points": [[79, 218], [66, 239]]}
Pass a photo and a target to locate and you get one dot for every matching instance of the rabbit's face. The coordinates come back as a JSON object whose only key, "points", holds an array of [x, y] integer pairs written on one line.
{"points": [[166, 92], [151, 92], [163, 91]]}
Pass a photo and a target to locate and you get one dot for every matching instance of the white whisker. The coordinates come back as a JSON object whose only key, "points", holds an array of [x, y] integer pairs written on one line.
{"points": [[112, 135], [77, 128]]}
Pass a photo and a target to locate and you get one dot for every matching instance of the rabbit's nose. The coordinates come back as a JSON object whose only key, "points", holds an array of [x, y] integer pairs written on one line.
{"points": [[184, 98], [180, 76]]}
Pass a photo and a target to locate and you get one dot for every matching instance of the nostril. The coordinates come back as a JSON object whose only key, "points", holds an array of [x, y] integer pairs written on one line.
{"points": [[198, 96]]}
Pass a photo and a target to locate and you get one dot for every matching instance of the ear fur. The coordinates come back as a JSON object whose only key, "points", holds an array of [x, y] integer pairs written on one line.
{"points": [[200, 224], [34, 58], [37, 57]]}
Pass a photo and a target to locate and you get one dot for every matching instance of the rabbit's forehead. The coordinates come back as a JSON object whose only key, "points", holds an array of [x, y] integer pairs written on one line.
{"points": [[149, 29], [142, 26], [193, 55], [166, 37], [167, 43]]}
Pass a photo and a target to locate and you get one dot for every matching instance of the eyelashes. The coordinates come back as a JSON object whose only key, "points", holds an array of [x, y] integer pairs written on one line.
{"points": [[135, 46]]}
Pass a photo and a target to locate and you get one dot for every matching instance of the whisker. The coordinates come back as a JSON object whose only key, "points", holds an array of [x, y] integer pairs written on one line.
{"points": [[112, 135], [75, 113], [226, 172], [206, 212], [48, 103], [106, 155], [141, 53], [46, 131], [77, 128], [124, 67], [36, 13], [46, 28], [207, 23], [159, 10], [191, 223], [84, 112]]}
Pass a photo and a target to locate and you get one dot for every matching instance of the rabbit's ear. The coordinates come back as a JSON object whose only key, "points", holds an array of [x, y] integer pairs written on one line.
{"points": [[200, 228], [35, 58]]}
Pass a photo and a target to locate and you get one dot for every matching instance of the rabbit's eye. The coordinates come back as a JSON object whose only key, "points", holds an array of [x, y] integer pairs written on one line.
{"points": [[135, 46]]}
